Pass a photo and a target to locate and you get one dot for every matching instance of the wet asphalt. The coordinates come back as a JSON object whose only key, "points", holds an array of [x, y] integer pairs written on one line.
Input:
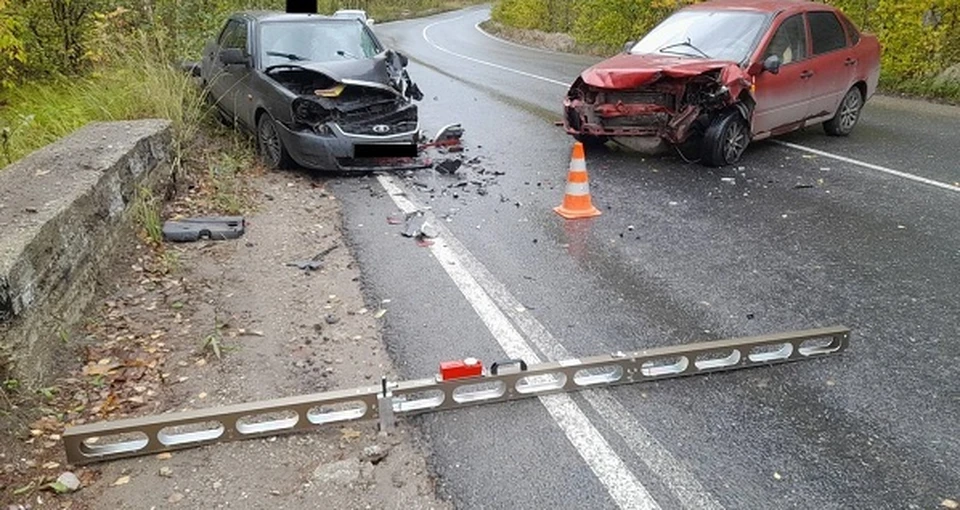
{"points": [[794, 241]]}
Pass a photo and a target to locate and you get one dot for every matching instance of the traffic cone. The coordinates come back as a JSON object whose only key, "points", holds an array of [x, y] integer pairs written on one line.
{"points": [[576, 199]]}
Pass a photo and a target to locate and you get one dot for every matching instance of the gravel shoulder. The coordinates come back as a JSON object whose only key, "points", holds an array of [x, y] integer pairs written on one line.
{"points": [[215, 323]]}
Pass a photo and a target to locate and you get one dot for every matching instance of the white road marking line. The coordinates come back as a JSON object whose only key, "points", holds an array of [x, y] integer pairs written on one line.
{"points": [[651, 452], [426, 37], [609, 468], [871, 166], [810, 150]]}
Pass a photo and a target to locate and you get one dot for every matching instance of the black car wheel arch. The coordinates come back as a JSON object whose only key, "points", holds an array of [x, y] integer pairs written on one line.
{"points": [[726, 139], [270, 145]]}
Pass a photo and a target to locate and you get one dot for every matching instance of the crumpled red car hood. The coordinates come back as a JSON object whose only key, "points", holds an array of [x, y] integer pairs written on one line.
{"points": [[627, 71]]}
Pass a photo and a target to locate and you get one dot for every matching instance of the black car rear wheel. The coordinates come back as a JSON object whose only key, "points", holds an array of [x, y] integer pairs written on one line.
{"points": [[270, 145], [725, 139]]}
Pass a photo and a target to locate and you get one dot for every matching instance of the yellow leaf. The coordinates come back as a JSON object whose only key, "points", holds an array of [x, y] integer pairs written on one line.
{"points": [[123, 480]]}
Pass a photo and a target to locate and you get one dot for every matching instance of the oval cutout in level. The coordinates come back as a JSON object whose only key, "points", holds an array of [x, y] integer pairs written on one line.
{"points": [[190, 433], [600, 375], [417, 400], [541, 383], [770, 352], [670, 365], [717, 359], [814, 346], [113, 444], [340, 411], [478, 392], [267, 422]]}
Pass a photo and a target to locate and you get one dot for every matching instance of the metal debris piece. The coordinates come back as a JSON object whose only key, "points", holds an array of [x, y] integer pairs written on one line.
{"points": [[449, 166], [217, 228]]}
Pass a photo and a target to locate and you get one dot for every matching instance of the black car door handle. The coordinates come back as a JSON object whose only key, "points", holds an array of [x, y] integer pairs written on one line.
{"points": [[850, 62], [806, 74]]}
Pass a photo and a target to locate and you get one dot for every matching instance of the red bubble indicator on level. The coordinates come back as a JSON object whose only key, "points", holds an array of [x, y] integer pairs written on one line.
{"points": [[460, 369]]}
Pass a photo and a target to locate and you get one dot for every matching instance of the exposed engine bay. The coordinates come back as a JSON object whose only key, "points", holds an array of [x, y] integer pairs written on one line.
{"points": [[363, 97], [667, 108]]}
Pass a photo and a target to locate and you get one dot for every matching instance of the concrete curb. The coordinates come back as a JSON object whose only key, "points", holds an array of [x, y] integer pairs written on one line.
{"points": [[62, 210]]}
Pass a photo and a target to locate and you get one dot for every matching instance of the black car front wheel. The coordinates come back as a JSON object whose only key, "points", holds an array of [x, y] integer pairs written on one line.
{"points": [[725, 139], [269, 144]]}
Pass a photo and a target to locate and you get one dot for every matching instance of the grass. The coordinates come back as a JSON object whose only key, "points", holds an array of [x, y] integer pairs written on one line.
{"points": [[146, 209], [135, 84]]}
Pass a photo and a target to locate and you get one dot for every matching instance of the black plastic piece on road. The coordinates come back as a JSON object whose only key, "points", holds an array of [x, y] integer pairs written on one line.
{"points": [[522, 365]]}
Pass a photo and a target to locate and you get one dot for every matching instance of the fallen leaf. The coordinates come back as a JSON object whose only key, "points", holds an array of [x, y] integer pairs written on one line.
{"points": [[58, 487], [202, 395], [380, 313], [348, 433], [51, 465], [776, 476], [164, 456], [123, 480], [949, 503], [201, 362]]}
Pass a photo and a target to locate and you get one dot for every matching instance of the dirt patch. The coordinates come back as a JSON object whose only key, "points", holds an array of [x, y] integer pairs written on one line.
{"points": [[212, 323]]}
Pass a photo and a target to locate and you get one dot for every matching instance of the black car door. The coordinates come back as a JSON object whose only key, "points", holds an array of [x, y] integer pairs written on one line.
{"points": [[225, 83]]}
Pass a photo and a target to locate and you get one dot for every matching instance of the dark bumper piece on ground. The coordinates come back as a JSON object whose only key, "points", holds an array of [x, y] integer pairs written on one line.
{"points": [[213, 228]]}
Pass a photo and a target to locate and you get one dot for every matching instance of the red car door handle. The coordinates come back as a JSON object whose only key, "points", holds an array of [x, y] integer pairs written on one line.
{"points": [[806, 74]]}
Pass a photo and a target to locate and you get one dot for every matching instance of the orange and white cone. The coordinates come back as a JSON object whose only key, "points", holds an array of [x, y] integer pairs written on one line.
{"points": [[576, 200]]}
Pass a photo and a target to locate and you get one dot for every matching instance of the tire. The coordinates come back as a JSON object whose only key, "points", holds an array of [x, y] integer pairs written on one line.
{"points": [[725, 140], [591, 141], [848, 113], [270, 145]]}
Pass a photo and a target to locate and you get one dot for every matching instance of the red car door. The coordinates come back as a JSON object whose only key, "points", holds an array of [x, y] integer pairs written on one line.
{"points": [[783, 98], [833, 63]]}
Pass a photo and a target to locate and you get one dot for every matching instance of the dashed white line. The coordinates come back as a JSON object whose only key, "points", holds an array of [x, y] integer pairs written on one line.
{"points": [[863, 164], [426, 37], [622, 485]]}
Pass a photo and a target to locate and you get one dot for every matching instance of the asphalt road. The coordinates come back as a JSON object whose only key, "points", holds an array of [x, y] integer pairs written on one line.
{"points": [[678, 256]]}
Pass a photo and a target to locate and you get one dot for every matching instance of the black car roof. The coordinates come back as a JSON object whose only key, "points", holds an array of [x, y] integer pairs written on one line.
{"points": [[264, 16]]}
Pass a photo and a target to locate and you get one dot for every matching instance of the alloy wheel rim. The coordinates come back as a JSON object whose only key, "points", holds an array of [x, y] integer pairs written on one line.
{"points": [[269, 143], [734, 142], [850, 110]]}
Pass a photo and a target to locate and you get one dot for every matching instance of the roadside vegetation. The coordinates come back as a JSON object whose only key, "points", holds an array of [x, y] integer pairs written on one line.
{"points": [[65, 63], [920, 38]]}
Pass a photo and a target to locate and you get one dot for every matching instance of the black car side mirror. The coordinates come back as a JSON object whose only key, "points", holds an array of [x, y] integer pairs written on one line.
{"points": [[772, 64], [234, 56], [627, 46]]}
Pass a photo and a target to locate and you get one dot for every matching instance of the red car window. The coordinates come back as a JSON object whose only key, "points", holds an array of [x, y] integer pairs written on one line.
{"points": [[826, 32], [789, 42]]}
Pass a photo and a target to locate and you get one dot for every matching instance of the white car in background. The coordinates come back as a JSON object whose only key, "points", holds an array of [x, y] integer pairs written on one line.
{"points": [[355, 14]]}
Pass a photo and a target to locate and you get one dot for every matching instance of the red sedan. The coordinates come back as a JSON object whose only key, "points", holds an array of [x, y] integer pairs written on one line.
{"points": [[726, 72]]}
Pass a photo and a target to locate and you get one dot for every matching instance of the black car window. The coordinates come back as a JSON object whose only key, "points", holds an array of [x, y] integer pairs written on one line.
{"points": [[852, 31], [315, 40], [826, 32], [235, 35], [789, 42]]}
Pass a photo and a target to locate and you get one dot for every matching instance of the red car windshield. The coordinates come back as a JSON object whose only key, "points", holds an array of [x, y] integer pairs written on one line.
{"points": [[720, 35]]}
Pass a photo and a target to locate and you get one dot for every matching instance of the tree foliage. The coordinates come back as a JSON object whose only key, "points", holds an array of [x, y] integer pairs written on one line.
{"points": [[919, 37]]}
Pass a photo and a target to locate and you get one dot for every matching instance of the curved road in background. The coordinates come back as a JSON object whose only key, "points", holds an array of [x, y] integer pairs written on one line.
{"points": [[798, 239]]}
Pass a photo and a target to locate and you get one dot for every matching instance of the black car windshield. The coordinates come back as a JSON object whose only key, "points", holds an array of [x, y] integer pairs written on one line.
{"points": [[721, 35], [314, 41]]}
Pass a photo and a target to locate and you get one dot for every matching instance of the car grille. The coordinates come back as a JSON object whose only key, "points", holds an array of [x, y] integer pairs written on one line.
{"points": [[641, 97], [378, 129]]}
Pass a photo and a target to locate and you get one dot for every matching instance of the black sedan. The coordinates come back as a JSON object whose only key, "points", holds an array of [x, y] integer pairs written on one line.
{"points": [[317, 91]]}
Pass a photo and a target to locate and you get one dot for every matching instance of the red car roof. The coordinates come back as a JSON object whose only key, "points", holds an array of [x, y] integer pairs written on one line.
{"points": [[769, 6]]}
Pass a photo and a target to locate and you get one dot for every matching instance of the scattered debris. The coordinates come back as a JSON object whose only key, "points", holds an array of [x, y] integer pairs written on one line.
{"points": [[313, 264], [413, 225], [123, 480], [166, 472], [729, 180], [803, 186], [449, 166], [164, 456], [777, 476], [332, 319], [176, 497], [380, 313], [66, 482], [374, 454], [949, 503], [213, 228]]}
